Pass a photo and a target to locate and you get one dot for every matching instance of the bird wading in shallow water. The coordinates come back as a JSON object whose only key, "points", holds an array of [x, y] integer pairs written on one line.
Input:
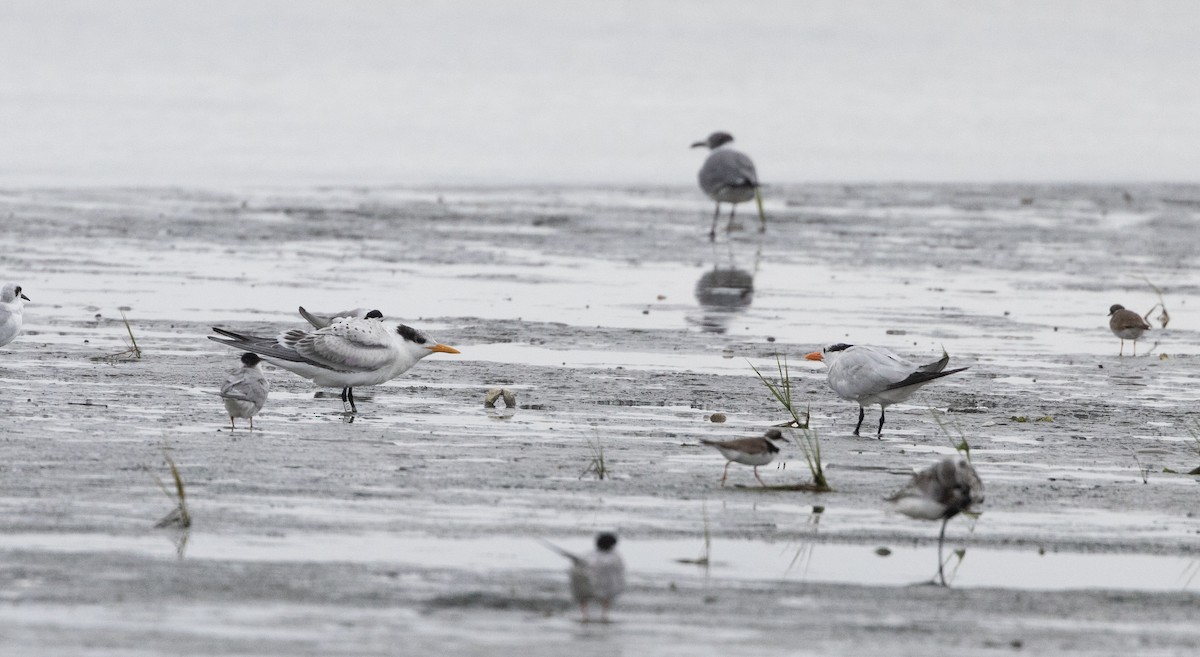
{"points": [[346, 354], [599, 576], [245, 390], [873, 375], [728, 176], [940, 492], [748, 451], [1127, 325], [12, 312]]}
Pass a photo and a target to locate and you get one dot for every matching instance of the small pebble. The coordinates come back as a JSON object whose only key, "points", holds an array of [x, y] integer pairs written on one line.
{"points": [[717, 417]]}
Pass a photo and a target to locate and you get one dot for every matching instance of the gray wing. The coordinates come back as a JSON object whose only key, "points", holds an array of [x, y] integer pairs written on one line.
{"points": [[247, 385], [269, 347], [349, 345], [727, 168]]}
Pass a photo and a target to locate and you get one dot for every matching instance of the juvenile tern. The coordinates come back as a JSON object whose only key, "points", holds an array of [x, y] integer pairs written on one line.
{"points": [[12, 312], [748, 451], [599, 576], [728, 176], [940, 492], [1127, 325], [345, 354], [245, 390], [321, 320], [873, 375]]}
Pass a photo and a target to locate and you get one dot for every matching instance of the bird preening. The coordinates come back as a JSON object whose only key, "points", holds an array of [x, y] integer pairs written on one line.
{"points": [[940, 492], [728, 176]]}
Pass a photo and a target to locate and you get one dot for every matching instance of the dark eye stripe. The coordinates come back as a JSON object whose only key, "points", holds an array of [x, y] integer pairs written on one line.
{"points": [[841, 346], [410, 334]]}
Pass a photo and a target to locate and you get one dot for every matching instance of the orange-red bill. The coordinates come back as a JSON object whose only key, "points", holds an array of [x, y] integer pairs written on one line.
{"points": [[443, 349], [816, 355]]}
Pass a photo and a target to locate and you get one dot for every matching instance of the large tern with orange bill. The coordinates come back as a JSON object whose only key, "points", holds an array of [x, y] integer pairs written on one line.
{"points": [[346, 354], [873, 375]]}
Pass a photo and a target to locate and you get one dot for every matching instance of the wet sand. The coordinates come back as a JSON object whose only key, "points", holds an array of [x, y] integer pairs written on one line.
{"points": [[412, 528]]}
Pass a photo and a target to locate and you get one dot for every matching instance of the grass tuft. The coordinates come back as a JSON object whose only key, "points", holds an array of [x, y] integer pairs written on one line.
{"points": [[962, 446], [806, 437], [1164, 317], [131, 352], [597, 465], [179, 516]]}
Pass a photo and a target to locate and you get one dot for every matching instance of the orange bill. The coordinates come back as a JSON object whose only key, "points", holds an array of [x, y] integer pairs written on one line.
{"points": [[441, 348], [816, 355]]}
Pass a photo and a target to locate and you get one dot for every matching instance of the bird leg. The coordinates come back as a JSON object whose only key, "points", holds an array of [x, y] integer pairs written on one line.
{"points": [[712, 232], [880, 434], [1135, 347], [252, 424], [732, 222], [232, 424], [942, 539], [725, 474], [861, 414], [1122, 347], [760, 481], [354, 409]]}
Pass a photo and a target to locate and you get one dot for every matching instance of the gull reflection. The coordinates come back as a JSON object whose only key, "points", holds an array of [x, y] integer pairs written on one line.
{"points": [[723, 292]]}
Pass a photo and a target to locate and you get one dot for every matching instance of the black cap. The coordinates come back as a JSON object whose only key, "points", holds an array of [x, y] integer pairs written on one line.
{"points": [[605, 541], [250, 359]]}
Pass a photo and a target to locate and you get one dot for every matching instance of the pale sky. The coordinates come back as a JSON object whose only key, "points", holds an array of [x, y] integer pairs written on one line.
{"points": [[295, 92]]}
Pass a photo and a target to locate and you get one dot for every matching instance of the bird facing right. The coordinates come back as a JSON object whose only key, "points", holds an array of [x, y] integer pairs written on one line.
{"points": [[728, 176], [599, 576], [940, 492], [748, 451], [12, 312], [245, 390], [1127, 325], [321, 320]]}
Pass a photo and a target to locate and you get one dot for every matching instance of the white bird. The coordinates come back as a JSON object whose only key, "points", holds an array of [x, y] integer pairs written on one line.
{"points": [[12, 312], [728, 176], [1127, 325], [345, 354], [940, 492], [245, 390], [748, 451], [321, 320], [599, 576], [873, 375]]}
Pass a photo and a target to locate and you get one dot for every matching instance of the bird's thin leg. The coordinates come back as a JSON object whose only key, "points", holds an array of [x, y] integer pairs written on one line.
{"points": [[1122, 347], [344, 395], [942, 539], [1135, 347], [232, 424], [725, 473], [732, 211], [861, 414], [881, 410], [350, 396], [712, 232], [760, 481]]}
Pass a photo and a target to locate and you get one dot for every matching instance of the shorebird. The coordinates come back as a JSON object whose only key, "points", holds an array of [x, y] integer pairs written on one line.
{"points": [[728, 176], [940, 492], [12, 312], [245, 390], [321, 320], [1127, 325], [873, 375], [599, 576], [346, 354], [748, 451]]}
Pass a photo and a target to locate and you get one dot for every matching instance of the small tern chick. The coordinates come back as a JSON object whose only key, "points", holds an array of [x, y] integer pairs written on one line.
{"points": [[748, 451], [245, 390], [599, 576], [321, 320], [940, 492], [728, 176], [1127, 325], [12, 312]]}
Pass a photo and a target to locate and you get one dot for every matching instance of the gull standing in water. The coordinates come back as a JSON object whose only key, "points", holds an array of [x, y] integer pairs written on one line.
{"points": [[245, 390], [12, 312], [748, 451], [728, 176], [345, 354], [874, 375], [599, 576], [1127, 325], [940, 492], [321, 320]]}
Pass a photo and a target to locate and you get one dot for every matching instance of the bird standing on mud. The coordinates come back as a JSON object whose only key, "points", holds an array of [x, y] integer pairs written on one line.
{"points": [[600, 576], [12, 312], [346, 354], [748, 451], [245, 390], [728, 176], [1127, 325], [873, 375], [940, 492]]}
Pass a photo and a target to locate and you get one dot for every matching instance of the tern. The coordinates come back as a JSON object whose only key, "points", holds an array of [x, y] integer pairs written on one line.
{"points": [[245, 390], [748, 451], [1127, 325], [728, 176], [873, 375], [345, 354], [321, 320], [12, 312], [599, 576], [940, 492]]}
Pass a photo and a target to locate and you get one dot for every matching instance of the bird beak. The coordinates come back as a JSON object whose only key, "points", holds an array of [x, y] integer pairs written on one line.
{"points": [[816, 355], [699, 144], [443, 349], [24, 297]]}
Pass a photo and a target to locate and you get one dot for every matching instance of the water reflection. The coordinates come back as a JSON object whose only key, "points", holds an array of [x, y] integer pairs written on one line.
{"points": [[724, 292]]}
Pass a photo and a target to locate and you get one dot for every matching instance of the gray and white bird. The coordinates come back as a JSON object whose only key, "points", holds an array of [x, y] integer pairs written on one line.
{"points": [[346, 354], [1127, 325], [728, 176], [940, 492], [12, 312], [321, 320], [873, 375], [748, 451], [599, 576], [245, 390]]}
